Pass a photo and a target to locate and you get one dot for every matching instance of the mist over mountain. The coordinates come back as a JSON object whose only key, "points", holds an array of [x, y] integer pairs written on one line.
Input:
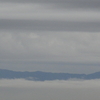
{"points": [[43, 76]]}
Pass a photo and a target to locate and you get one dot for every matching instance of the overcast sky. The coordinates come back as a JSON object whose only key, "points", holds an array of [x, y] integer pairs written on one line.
{"points": [[50, 35]]}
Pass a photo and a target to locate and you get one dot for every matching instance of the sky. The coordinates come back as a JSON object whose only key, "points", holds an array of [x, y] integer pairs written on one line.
{"points": [[20, 89], [50, 35]]}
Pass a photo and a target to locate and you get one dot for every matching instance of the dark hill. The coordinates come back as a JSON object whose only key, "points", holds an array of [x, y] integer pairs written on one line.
{"points": [[42, 76]]}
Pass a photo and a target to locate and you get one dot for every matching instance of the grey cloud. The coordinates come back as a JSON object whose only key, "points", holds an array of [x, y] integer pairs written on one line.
{"points": [[53, 90], [49, 25], [59, 46], [50, 31], [75, 52], [65, 67], [56, 84], [62, 3], [46, 12]]}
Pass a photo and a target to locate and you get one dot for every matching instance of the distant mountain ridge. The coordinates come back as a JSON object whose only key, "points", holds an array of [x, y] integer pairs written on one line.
{"points": [[43, 76]]}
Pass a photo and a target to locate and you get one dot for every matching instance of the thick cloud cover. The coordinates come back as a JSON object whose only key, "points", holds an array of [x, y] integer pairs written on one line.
{"points": [[57, 46], [72, 83], [61, 3], [48, 11], [50, 35], [49, 90], [63, 48]]}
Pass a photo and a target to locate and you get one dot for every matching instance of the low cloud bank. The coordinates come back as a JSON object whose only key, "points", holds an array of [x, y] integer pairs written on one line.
{"points": [[21, 83], [21, 89]]}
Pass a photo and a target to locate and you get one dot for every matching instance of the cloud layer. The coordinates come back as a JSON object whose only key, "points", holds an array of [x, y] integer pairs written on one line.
{"points": [[73, 84], [65, 46], [38, 11], [71, 90], [49, 31]]}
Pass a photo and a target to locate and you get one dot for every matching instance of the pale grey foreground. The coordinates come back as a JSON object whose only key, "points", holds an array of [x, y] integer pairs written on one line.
{"points": [[50, 90]]}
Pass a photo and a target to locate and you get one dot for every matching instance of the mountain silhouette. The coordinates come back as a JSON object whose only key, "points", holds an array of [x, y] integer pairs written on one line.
{"points": [[43, 76]]}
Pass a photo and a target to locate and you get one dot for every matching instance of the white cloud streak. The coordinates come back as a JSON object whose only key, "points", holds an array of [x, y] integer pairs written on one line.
{"points": [[38, 11], [74, 83]]}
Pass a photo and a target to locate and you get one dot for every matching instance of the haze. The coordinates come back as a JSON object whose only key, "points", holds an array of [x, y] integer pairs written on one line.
{"points": [[49, 90]]}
